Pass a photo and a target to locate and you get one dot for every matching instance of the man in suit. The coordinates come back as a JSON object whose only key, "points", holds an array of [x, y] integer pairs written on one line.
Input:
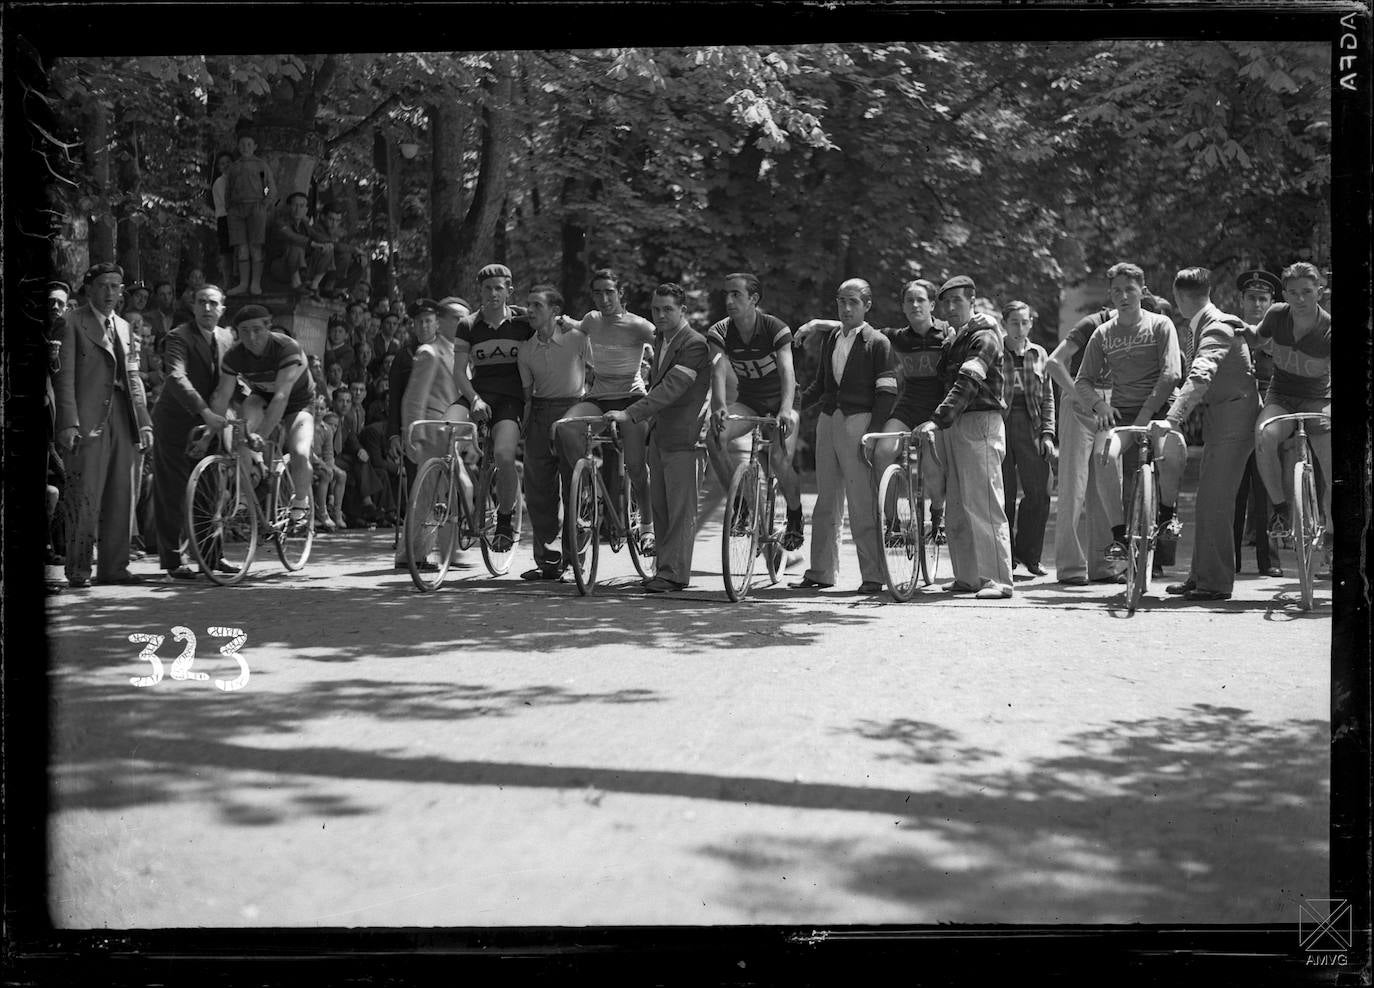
{"points": [[678, 385], [191, 364], [1222, 380], [102, 420]]}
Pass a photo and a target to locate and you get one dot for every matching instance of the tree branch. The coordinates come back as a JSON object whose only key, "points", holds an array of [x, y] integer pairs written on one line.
{"points": [[377, 111]]}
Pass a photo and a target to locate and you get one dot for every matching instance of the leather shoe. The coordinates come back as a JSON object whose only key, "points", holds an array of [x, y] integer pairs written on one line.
{"points": [[1073, 581], [660, 585], [229, 569], [1179, 589], [870, 586], [181, 573], [125, 580], [957, 587], [1272, 571], [993, 592], [806, 583], [1035, 569], [540, 573], [1119, 578], [1196, 594], [78, 582]]}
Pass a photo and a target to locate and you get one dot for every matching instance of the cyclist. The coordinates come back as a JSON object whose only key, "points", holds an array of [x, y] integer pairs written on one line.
{"points": [[1221, 379], [273, 367], [757, 346], [1297, 334], [620, 342], [489, 342], [918, 347], [1137, 353]]}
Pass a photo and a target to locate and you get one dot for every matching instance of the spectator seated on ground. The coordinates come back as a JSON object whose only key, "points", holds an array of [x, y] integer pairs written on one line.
{"points": [[348, 259], [385, 467]]}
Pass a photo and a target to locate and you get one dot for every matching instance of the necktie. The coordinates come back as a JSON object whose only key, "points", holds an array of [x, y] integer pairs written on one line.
{"points": [[120, 368]]}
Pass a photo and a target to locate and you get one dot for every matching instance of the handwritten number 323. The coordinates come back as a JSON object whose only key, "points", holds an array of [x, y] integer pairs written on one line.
{"points": [[181, 665]]}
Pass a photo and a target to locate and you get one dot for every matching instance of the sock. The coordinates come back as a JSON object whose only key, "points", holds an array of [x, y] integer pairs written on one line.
{"points": [[1118, 533], [937, 515], [1166, 512], [794, 515]]}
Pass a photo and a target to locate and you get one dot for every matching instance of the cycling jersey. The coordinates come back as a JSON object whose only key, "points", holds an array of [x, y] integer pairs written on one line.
{"points": [[494, 351], [260, 372], [755, 363]]}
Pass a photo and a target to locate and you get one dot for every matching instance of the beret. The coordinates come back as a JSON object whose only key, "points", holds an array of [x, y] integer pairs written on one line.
{"points": [[59, 286], [958, 281], [449, 301], [250, 312], [493, 271]]}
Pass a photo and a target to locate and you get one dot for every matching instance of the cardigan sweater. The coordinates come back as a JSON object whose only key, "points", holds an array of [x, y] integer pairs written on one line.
{"points": [[869, 382]]}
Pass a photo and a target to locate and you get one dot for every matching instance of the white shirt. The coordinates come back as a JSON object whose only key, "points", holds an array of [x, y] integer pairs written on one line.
{"points": [[844, 342]]}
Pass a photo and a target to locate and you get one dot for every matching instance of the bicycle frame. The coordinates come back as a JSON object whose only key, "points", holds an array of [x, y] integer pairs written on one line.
{"points": [[1308, 519], [458, 433], [910, 563], [761, 533], [1142, 528], [593, 441]]}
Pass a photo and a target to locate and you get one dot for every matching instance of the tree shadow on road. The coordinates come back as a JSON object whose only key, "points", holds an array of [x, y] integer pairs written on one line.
{"points": [[1208, 816]]}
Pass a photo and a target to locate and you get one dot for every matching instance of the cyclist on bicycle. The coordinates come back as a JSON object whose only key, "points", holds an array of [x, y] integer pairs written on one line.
{"points": [[1137, 353], [620, 341], [758, 348], [281, 392], [918, 347], [1297, 333], [1221, 379], [489, 342]]}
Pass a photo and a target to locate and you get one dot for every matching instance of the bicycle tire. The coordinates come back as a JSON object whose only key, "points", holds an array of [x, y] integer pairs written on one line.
{"points": [[739, 539], [222, 524], [1306, 532], [901, 537], [432, 519], [498, 561], [773, 532], [293, 551], [581, 526], [1140, 543], [402, 507], [634, 523]]}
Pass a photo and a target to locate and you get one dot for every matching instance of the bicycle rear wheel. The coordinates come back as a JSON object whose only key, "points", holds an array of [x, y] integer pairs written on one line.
{"points": [[402, 507], [634, 521], [432, 522], [901, 534], [1306, 529], [1139, 537], [222, 523], [581, 525], [293, 550], [498, 560], [739, 540]]}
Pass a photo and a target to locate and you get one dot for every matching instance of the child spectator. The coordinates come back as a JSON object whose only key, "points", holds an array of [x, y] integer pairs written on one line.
{"points": [[220, 204], [329, 479], [249, 188]]}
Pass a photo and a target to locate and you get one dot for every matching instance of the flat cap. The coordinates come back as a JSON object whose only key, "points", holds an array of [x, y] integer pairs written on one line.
{"points": [[105, 267], [958, 281]]}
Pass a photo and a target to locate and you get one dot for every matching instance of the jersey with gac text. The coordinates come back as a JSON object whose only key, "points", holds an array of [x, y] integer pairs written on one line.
{"points": [[755, 363], [260, 372], [494, 352]]}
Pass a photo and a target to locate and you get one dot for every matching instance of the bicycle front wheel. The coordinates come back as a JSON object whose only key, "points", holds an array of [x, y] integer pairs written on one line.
{"points": [[901, 534], [293, 550], [402, 507], [739, 540], [1140, 537], [581, 526], [432, 522], [773, 524], [221, 520], [1306, 529], [498, 560]]}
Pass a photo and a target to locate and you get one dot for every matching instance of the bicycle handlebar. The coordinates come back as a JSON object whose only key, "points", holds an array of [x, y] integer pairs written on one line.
{"points": [[753, 419], [1296, 417], [584, 420]]}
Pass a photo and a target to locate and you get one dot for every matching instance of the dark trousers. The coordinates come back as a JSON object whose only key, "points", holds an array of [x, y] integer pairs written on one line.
{"points": [[1252, 514], [548, 475], [100, 495], [1024, 462], [171, 470]]}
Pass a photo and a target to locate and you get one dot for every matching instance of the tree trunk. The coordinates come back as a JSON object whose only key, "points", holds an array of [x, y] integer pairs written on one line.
{"points": [[447, 121], [476, 236], [102, 228], [129, 212]]}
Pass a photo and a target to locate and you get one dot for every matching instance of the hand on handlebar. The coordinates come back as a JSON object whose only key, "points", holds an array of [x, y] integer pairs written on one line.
{"points": [[784, 425], [254, 442], [1107, 419]]}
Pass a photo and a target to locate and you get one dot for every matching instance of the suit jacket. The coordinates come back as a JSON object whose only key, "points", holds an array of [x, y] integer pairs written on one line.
{"points": [[85, 382], [1220, 370], [678, 386], [191, 369], [431, 388]]}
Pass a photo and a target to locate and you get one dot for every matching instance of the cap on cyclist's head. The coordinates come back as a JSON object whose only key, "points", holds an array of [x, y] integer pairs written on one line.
{"points": [[422, 305], [493, 271], [250, 312]]}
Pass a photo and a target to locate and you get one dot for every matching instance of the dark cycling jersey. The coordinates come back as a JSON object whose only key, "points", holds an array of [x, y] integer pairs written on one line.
{"points": [[493, 354], [260, 372], [919, 391], [755, 363]]}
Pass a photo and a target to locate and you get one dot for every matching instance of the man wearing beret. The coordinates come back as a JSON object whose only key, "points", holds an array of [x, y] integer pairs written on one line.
{"points": [[102, 421], [1258, 289], [971, 415], [280, 391]]}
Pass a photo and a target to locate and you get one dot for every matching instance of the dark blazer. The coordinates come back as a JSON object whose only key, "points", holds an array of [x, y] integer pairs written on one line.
{"points": [[869, 383], [1220, 370], [191, 367], [84, 387], [678, 386]]}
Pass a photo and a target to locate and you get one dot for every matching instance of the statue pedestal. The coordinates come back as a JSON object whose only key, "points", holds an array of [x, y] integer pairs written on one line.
{"points": [[305, 319]]}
